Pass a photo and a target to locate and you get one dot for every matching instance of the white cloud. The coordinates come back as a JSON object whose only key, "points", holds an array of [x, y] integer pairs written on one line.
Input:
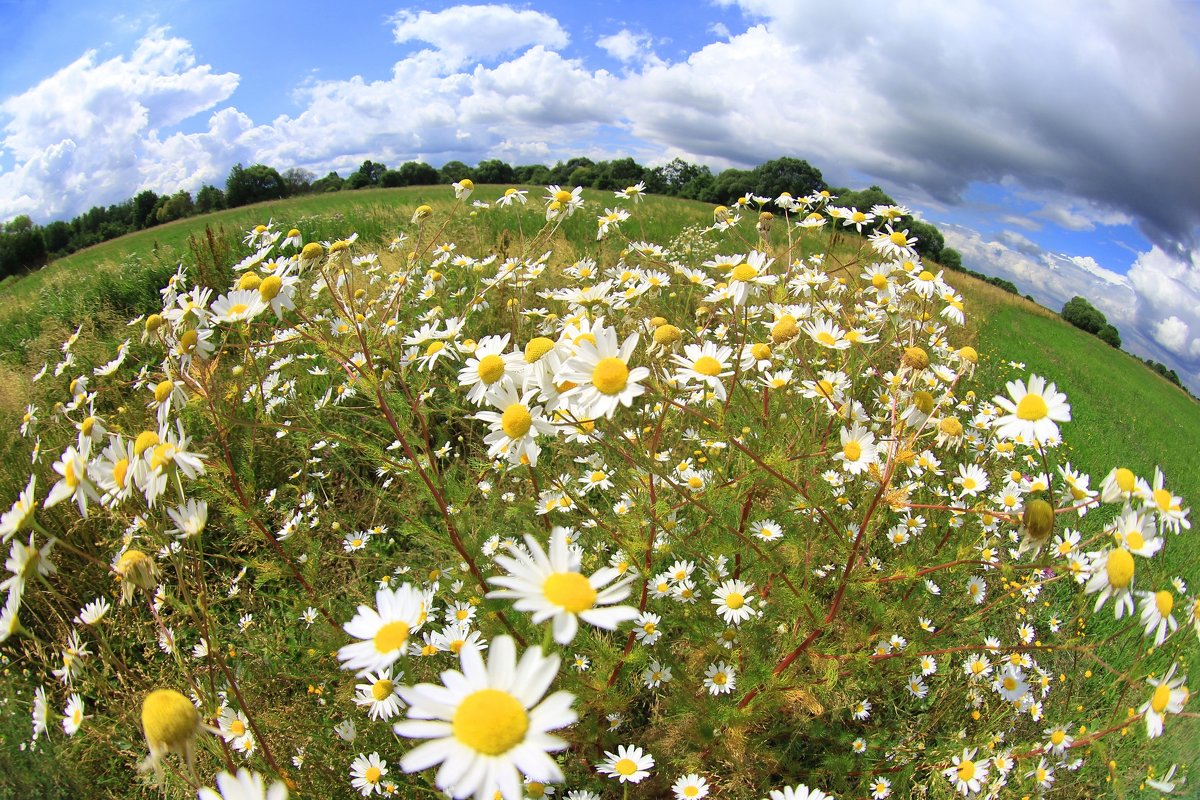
{"points": [[466, 32], [1172, 333], [87, 135], [626, 46]]}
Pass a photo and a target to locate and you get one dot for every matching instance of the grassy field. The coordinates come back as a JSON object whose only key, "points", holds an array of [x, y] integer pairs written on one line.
{"points": [[1123, 415]]}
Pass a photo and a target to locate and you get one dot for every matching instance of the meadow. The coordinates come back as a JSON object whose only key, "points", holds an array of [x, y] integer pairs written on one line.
{"points": [[772, 446]]}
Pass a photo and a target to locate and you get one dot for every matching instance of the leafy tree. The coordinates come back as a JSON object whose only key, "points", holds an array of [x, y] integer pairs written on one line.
{"points": [[493, 171], [1083, 315], [581, 176], [330, 183], [176, 206], [670, 178], [951, 259], [773, 178], [391, 179], [863, 199], [418, 173], [453, 171], [618, 174], [561, 172], [19, 223], [21, 250], [298, 181], [531, 174], [1110, 335], [929, 239], [253, 184], [209, 198], [368, 174], [730, 185], [57, 236], [143, 209]]}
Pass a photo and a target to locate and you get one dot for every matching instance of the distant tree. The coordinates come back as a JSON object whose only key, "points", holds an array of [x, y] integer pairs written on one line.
{"points": [[560, 173], [731, 184], [253, 184], [453, 171], [21, 250], [581, 176], [177, 206], [57, 236], [1110, 335], [1083, 315], [951, 259], [863, 199], [493, 171], [671, 177], [330, 183], [143, 209], [391, 179], [773, 178], [208, 199], [618, 174], [531, 174], [19, 223], [418, 173], [929, 239], [368, 174], [298, 181]]}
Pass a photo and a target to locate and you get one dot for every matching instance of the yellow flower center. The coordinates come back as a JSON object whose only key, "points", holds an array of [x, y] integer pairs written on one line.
{"points": [[570, 591], [250, 280], [391, 636], [786, 328], [1134, 540], [516, 421], [1162, 499], [852, 450], [144, 441], [650, 627], [120, 470], [734, 600], [169, 718], [69, 474], [950, 426], [707, 365], [966, 770], [238, 308], [467, 183], [372, 775], [626, 767], [1164, 601], [163, 391], [163, 454], [1010, 683], [1125, 479], [490, 721], [667, 334], [562, 196], [743, 272], [382, 689], [1032, 407], [720, 679], [1119, 567], [490, 369], [154, 322], [826, 338], [899, 239], [1162, 696], [1058, 737], [925, 275], [237, 727], [610, 376], [434, 348], [312, 251], [270, 287], [537, 348]]}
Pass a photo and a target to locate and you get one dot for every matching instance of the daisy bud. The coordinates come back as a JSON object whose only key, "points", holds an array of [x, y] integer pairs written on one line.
{"points": [[915, 357]]}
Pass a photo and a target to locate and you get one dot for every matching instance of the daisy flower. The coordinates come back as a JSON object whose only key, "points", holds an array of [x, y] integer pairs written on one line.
{"points": [[366, 772], [489, 367], [463, 188], [1032, 411], [246, 785], [514, 428], [73, 715], [881, 788], [645, 628], [893, 243], [798, 792], [971, 479], [966, 774], [749, 276], [601, 375], [379, 694], [1156, 614], [189, 519], [238, 305], [1168, 698], [858, 451], [825, 332], [489, 723], [1170, 510], [731, 599], [552, 587], [383, 631], [76, 483], [656, 674], [93, 612], [767, 529], [19, 516], [690, 787], [629, 764], [720, 678], [1111, 574], [706, 364], [861, 710]]}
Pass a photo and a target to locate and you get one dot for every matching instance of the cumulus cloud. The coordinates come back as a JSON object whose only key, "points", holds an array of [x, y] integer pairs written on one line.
{"points": [[627, 46], [1172, 333], [467, 32], [87, 135]]}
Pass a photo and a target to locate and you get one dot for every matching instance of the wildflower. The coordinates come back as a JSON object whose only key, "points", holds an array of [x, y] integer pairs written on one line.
{"points": [[656, 674], [705, 364], [732, 601], [861, 710], [966, 774], [366, 773], [76, 482], [383, 631], [798, 792], [720, 678], [20, 515], [488, 722], [551, 586], [1156, 616], [629, 764], [73, 715], [690, 787], [1168, 698], [1170, 510], [170, 723], [1112, 574], [601, 375], [379, 694], [1032, 412], [859, 450], [645, 628], [881, 788]]}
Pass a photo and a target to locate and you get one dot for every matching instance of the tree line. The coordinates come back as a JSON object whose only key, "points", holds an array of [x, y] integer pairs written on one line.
{"points": [[25, 246]]}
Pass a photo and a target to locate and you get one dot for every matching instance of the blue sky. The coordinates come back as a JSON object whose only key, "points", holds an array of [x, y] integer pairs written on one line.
{"points": [[1054, 144]]}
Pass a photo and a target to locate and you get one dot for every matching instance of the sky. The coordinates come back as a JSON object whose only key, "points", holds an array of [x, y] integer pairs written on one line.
{"points": [[1055, 144]]}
